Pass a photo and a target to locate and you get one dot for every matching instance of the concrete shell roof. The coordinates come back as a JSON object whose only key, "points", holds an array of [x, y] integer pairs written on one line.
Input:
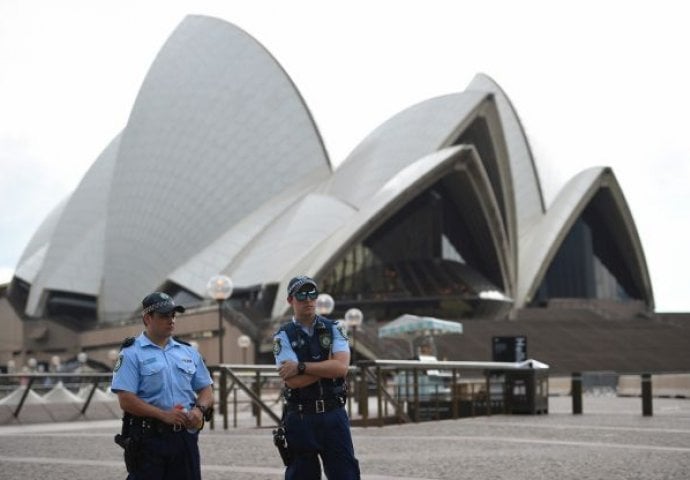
{"points": [[400, 141], [528, 198], [280, 241], [391, 196], [541, 243], [205, 145], [30, 262], [73, 253], [221, 169]]}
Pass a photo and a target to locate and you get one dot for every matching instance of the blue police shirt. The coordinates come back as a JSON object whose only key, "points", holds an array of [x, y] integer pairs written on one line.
{"points": [[283, 351], [163, 377]]}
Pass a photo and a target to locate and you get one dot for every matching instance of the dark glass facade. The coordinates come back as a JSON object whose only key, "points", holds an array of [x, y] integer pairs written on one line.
{"points": [[590, 262], [423, 260]]}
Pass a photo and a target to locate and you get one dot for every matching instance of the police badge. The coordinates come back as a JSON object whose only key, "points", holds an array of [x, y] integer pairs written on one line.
{"points": [[325, 339], [276, 346]]}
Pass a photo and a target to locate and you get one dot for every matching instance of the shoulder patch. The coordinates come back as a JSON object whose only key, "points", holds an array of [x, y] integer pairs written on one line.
{"points": [[179, 340], [342, 331], [276, 346], [127, 342], [118, 363]]}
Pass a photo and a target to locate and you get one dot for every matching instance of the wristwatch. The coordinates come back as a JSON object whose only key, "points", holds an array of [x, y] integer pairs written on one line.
{"points": [[301, 368], [203, 409]]}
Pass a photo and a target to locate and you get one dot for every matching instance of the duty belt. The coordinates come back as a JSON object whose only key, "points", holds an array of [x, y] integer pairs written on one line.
{"points": [[151, 425], [315, 406]]}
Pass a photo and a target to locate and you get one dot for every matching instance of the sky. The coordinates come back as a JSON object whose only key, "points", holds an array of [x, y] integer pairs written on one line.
{"points": [[595, 83]]}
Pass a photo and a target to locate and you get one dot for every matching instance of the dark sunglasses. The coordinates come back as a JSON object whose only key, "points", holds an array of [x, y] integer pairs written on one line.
{"points": [[302, 296]]}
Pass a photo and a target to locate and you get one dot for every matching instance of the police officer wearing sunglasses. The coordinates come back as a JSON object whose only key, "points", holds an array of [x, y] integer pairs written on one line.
{"points": [[312, 355], [166, 392]]}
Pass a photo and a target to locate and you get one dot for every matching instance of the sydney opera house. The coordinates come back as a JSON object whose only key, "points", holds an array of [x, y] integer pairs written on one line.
{"points": [[437, 212]]}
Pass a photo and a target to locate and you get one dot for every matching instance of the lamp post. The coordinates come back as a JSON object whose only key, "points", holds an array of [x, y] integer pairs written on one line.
{"points": [[324, 304], [243, 341], [32, 362], [55, 362], [82, 357], [353, 318], [219, 288]]}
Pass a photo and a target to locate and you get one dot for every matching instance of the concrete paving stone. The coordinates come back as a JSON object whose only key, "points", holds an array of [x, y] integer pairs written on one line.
{"points": [[611, 440]]}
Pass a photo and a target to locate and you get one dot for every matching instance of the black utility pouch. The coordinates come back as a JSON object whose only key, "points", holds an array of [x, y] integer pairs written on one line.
{"points": [[132, 454], [280, 441]]}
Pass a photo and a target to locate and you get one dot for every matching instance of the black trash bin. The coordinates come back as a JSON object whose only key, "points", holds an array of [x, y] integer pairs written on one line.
{"points": [[527, 391]]}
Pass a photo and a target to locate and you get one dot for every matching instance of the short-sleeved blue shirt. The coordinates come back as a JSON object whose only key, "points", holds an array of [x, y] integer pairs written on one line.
{"points": [[163, 377], [285, 351]]}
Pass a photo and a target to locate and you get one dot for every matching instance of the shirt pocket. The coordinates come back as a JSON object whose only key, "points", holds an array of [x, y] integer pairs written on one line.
{"points": [[186, 370], [152, 378]]}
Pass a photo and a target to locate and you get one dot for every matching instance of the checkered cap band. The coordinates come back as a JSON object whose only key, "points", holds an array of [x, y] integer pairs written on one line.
{"points": [[298, 282], [156, 306], [160, 302]]}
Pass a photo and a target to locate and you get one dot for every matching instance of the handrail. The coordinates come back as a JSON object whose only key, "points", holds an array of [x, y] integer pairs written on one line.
{"points": [[460, 365], [452, 368], [57, 375], [235, 371], [475, 387], [32, 377]]}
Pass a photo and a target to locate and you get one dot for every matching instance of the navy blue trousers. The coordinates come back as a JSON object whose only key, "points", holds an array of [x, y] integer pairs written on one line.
{"points": [[326, 435], [169, 456]]}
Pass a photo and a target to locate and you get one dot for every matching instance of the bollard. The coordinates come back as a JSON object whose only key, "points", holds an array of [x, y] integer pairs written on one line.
{"points": [[576, 392], [223, 397], [647, 394], [363, 397]]}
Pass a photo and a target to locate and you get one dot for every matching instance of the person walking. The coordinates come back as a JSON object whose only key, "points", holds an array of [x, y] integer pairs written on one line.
{"points": [[165, 392], [312, 356]]}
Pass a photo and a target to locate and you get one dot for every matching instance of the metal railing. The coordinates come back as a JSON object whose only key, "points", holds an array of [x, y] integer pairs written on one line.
{"points": [[251, 380], [473, 388], [467, 389], [262, 386], [25, 381], [381, 391]]}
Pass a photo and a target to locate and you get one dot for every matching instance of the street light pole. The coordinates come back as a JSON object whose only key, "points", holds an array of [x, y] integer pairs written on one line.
{"points": [[221, 330], [353, 318], [243, 341], [219, 288], [324, 304]]}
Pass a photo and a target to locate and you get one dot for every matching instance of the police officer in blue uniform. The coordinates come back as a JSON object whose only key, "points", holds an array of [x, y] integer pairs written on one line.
{"points": [[312, 355], [165, 391]]}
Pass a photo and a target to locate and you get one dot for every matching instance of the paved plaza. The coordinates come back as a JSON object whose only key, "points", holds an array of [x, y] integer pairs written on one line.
{"points": [[610, 440]]}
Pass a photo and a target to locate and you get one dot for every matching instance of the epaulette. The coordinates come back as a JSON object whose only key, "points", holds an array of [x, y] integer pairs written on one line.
{"points": [[283, 328], [127, 342], [179, 340]]}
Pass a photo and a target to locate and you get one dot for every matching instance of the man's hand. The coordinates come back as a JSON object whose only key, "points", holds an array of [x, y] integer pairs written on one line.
{"points": [[287, 369], [194, 419], [175, 416]]}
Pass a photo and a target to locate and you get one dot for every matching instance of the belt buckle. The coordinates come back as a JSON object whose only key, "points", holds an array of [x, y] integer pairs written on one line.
{"points": [[320, 407], [177, 427]]}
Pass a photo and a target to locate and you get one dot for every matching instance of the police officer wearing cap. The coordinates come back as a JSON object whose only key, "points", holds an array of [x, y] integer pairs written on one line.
{"points": [[312, 355], [165, 390]]}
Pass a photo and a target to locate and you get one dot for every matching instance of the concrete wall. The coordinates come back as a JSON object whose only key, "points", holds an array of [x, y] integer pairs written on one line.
{"points": [[102, 345], [12, 336]]}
